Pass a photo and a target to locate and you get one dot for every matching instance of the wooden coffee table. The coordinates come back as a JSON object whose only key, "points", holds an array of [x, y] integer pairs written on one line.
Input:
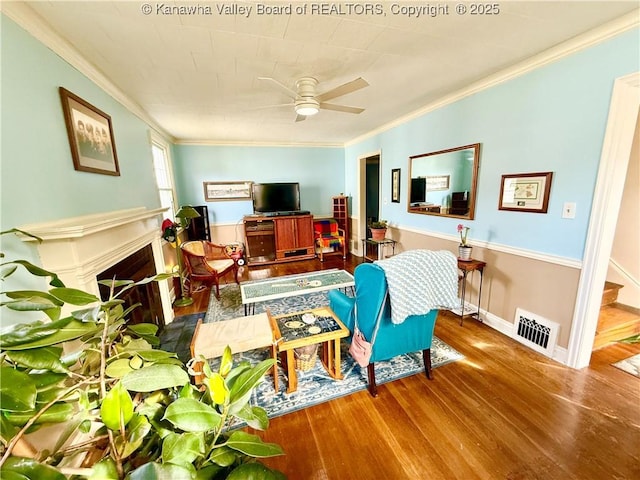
{"points": [[290, 331]]}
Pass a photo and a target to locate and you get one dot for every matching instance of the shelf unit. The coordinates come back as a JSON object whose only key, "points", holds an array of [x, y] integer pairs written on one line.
{"points": [[341, 215]]}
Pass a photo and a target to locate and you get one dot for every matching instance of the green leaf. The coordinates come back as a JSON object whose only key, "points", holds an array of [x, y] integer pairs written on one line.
{"points": [[35, 294], [223, 456], [157, 471], [115, 283], [28, 469], [105, 469], [118, 368], [74, 296], [256, 417], [17, 391], [59, 412], [245, 383], [46, 379], [254, 471], [226, 362], [208, 473], [34, 339], [116, 408], [191, 415], [137, 429], [46, 358], [252, 445], [143, 329], [30, 304], [155, 377], [40, 272], [217, 389], [155, 355], [182, 448]]}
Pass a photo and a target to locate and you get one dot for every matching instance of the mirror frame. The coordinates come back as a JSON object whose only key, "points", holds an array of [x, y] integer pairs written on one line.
{"points": [[472, 190]]}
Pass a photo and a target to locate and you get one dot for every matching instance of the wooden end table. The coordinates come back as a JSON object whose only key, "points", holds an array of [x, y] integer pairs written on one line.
{"points": [[467, 266], [290, 332]]}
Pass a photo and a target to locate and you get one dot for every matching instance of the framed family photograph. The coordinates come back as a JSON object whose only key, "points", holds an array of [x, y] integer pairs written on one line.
{"points": [[395, 185], [525, 192], [90, 133], [217, 191]]}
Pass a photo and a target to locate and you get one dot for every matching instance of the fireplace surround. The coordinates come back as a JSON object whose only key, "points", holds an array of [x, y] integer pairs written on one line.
{"points": [[79, 249]]}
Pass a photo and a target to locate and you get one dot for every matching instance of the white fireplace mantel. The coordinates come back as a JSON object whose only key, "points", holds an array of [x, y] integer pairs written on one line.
{"points": [[78, 249]]}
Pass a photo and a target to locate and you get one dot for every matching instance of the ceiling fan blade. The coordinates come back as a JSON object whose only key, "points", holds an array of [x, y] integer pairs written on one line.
{"points": [[286, 90], [343, 89], [341, 108], [300, 118]]}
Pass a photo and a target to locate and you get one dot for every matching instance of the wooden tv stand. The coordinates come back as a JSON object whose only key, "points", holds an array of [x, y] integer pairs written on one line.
{"points": [[275, 239]]}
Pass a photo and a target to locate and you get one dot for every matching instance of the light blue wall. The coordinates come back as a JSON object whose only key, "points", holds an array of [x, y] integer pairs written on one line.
{"points": [[552, 119], [38, 181], [320, 172]]}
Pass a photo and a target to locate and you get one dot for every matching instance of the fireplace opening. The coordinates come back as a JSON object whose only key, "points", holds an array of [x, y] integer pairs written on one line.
{"points": [[136, 267]]}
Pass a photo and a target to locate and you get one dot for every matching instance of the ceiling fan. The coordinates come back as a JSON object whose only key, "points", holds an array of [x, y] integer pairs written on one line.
{"points": [[306, 102]]}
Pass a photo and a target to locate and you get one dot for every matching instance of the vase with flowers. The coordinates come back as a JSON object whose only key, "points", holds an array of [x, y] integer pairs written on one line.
{"points": [[464, 249]]}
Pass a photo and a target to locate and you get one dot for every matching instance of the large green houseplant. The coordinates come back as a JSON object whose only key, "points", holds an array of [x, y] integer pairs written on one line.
{"points": [[92, 372]]}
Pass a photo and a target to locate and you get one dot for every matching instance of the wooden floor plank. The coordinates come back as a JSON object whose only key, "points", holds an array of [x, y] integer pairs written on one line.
{"points": [[503, 412]]}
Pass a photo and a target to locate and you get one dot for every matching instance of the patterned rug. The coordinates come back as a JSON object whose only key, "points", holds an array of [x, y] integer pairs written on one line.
{"points": [[630, 365], [315, 385]]}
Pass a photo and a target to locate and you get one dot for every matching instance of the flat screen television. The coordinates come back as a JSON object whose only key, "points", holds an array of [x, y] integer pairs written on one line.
{"points": [[418, 190], [276, 197]]}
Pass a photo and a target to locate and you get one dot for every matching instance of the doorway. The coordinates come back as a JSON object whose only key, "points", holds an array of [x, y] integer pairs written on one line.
{"points": [[368, 193], [616, 151]]}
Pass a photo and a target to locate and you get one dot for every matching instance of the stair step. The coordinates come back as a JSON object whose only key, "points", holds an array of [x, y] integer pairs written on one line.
{"points": [[610, 293], [615, 323]]}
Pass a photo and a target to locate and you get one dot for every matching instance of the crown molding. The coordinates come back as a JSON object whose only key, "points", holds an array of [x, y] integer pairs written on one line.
{"points": [[216, 143], [30, 21], [580, 42]]}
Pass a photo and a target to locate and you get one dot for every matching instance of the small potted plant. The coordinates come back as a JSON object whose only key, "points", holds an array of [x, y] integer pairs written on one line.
{"points": [[464, 249], [378, 229]]}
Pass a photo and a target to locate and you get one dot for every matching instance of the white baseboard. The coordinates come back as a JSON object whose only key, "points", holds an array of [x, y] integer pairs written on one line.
{"points": [[560, 354]]}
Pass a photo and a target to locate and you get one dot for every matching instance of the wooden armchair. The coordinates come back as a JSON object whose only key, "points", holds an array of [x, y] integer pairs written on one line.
{"points": [[328, 234], [206, 262]]}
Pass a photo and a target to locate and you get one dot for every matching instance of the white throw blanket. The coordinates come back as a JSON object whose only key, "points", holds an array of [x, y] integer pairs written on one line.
{"points": [[420, 281]]}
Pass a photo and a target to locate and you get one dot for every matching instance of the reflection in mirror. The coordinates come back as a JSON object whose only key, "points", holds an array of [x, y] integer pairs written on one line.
{"points": [[444, 182]]}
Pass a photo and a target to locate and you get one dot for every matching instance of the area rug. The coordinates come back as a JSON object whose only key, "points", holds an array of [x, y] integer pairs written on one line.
{"points": [[315, 385], [630, 365]]}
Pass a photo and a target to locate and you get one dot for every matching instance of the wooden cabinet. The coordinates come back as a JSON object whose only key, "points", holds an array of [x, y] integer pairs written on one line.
{"points": [[341, 215], [279, 239]]}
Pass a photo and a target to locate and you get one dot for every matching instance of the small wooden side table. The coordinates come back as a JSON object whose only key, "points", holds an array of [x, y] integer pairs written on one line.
{"points": [[290, 332], [467, 266]]}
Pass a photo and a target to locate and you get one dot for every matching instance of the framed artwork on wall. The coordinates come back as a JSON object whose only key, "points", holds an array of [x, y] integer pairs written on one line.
{"points": [[217, 191], [90, 133], [525, 192], [395, 185]]}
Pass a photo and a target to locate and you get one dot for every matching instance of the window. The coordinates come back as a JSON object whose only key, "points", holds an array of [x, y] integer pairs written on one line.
{"points": [[162, 168]]}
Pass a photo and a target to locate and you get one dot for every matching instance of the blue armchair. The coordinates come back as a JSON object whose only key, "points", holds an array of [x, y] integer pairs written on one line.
{"points": [[412, 335]]}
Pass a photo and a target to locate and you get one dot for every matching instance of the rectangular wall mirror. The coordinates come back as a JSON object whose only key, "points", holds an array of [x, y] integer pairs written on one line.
{"points": [[444, 182]]}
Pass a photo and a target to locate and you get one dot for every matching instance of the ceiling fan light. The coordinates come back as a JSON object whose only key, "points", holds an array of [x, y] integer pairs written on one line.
{"points": [[307, 108]]}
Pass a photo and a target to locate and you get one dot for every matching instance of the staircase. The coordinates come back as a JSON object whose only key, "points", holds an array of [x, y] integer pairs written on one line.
{"points": [[616, 321]]}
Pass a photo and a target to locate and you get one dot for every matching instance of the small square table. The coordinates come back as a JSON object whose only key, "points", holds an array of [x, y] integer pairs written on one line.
{"points": [[290, 331]]}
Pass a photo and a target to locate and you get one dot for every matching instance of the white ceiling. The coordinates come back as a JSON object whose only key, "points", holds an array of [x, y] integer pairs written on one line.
{"points": [[196, 76]]}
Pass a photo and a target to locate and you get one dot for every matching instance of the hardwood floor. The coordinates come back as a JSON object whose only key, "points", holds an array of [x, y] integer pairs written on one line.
{"points": [[503, 412]]}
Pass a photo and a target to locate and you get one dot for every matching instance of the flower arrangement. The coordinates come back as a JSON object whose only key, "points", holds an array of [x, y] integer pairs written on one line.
{"points": [[463, 231]]}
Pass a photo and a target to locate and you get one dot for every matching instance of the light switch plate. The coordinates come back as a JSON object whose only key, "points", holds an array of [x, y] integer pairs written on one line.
{"points": [[569, 210]]}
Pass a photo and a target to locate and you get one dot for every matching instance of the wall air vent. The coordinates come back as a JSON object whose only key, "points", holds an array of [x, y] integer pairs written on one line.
{"points": [[535, 332]]}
